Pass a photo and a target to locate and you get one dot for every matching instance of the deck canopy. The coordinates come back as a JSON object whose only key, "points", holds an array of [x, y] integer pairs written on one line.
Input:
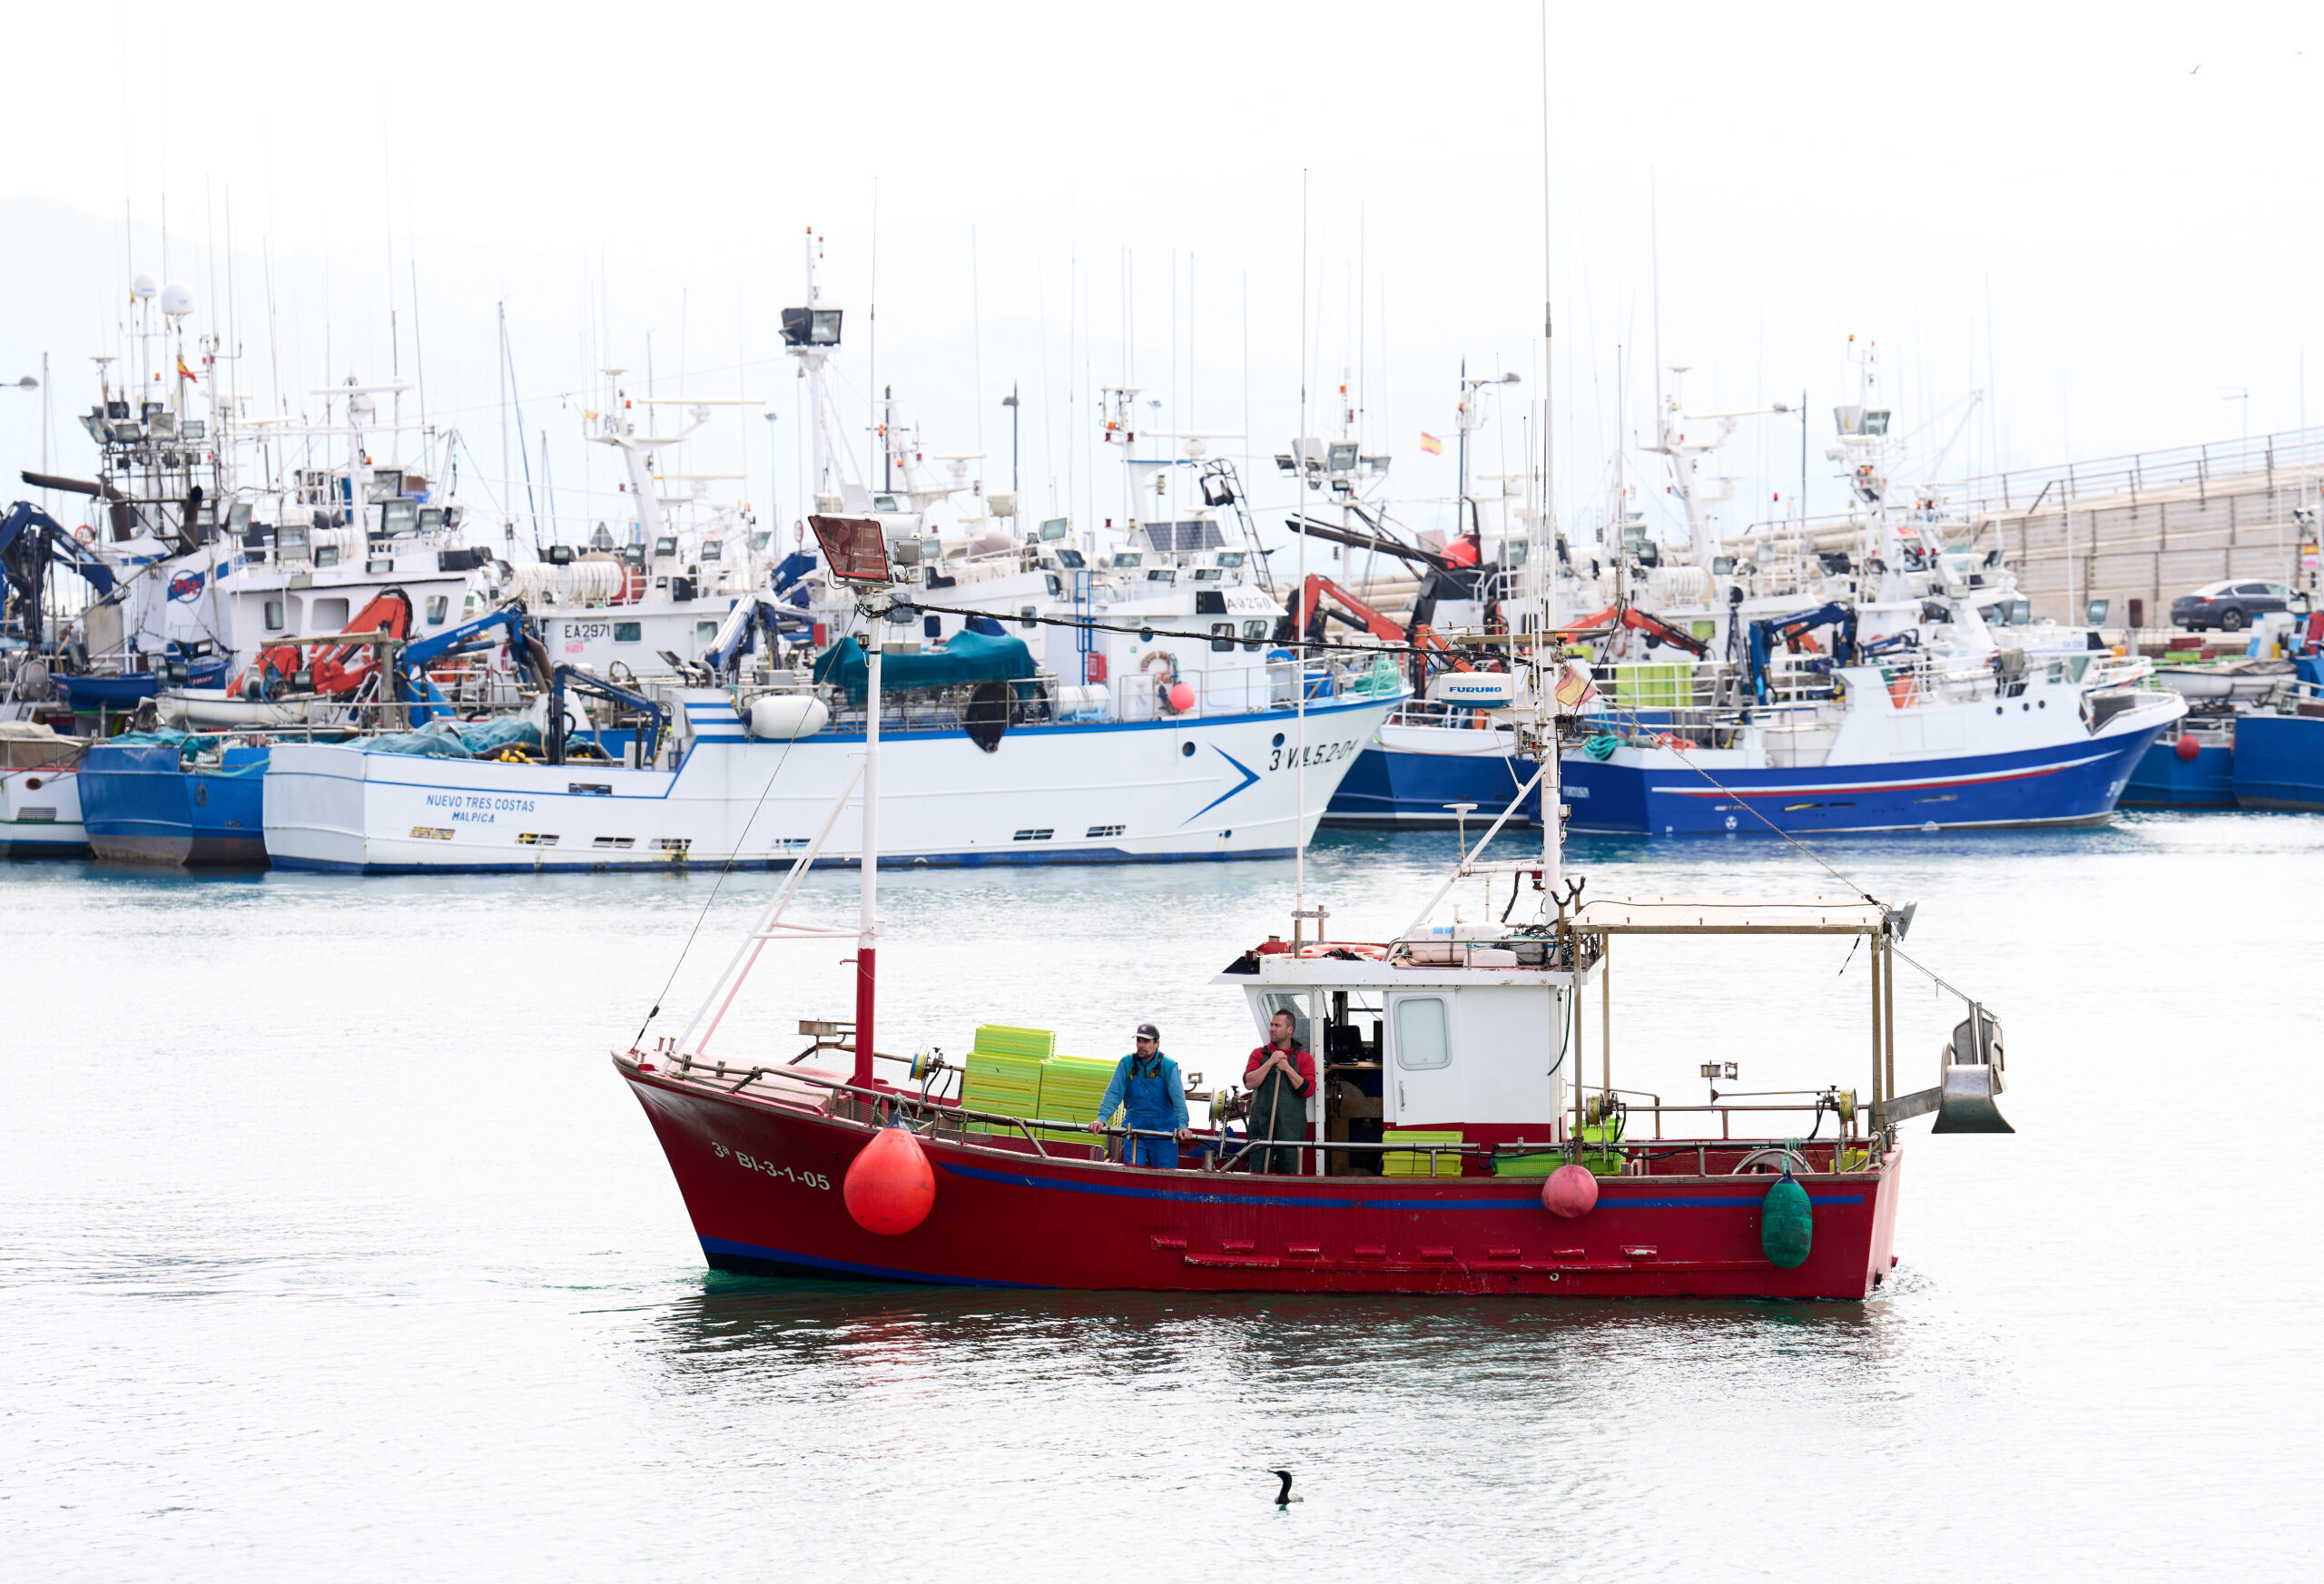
{"points": [[1732, 916], [967, 657]]}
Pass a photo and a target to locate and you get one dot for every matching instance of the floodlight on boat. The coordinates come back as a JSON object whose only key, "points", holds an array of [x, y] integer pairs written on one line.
{"points": [[811, 327], [854, 548]]}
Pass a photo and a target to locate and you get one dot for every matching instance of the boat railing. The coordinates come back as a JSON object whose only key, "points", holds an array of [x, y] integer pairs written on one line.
{"points": [[925, 1113]]}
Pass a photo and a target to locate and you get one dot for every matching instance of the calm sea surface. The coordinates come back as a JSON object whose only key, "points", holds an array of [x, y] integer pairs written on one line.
{"points": [[331, 1247]]}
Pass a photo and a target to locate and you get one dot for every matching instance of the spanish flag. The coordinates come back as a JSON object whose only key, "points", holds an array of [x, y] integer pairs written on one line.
{"points": [[185, 372], [1430, 444]]}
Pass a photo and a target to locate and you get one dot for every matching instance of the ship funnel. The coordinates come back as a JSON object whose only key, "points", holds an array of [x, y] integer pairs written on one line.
{"points": [[1972, 1078]]}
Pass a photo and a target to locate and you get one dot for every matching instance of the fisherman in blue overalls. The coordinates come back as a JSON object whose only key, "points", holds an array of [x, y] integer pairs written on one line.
{"points": [[1148, 1082]]}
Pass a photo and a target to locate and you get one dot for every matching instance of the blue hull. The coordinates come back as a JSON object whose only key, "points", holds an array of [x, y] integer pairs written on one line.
{"points": [[1387, 787], [140, 805], [88, 694], [929, 861], [2279, 761], [2164, 781], [2069, 784]]}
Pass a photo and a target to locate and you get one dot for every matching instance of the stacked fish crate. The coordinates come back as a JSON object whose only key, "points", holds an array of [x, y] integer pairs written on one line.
{"points": [[1071, 1086], [1003, 1072]]}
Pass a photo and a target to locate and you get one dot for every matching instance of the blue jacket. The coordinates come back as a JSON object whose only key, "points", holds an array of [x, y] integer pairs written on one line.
{"points": [[1174, 1088]]}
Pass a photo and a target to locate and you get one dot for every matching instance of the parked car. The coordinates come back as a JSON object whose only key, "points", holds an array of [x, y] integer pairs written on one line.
{"points": [[2229, 607]]}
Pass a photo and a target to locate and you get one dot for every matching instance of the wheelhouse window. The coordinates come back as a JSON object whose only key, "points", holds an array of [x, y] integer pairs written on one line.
{"points": [[1222, 637], [1421, 1042], [626, 631], [705, 632], [274, 618], [1255, 633], [436, 606]]}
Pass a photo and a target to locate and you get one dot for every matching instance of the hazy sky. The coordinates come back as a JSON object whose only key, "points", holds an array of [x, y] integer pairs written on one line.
{"points": [[2105, 220]]}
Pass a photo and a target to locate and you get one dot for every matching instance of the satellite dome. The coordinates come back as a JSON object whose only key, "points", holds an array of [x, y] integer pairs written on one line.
{"points": [[144, 287], [177, 301]]}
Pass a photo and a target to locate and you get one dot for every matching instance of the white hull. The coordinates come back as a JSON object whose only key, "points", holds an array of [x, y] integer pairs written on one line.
{"points": [[1213, 787], [39, 814], [214, 710], [2234, 683]]}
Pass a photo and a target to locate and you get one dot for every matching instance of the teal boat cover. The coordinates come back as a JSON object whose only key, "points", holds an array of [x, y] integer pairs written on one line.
{"points": [[966, 658]]}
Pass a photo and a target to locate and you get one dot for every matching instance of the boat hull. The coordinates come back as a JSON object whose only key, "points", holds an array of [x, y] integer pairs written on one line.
{"points": [[763, 1182], [39, 814], [142, 805], [1657, 791], [2279, 761], [2164, 781], [1209, 788], [87, 694], [1410, 773]]}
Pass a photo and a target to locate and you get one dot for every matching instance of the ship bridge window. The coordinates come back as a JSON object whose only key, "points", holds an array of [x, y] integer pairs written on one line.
{"points": [[1296, 1004], [627, 632], [1222, 637], [1420, 1041], [1255, 635], [274, 617], [705, 632], [436, 606]]}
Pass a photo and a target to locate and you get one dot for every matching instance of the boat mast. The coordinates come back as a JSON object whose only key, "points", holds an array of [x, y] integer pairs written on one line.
{"points": [[867, 932], [1542, 577]]}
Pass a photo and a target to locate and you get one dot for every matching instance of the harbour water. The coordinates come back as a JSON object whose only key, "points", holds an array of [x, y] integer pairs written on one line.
{"points": [[332, 1246]]}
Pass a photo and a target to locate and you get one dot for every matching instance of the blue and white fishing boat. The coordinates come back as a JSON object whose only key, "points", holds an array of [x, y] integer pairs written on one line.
{"points": [[1785, 685], [1220, 751]]}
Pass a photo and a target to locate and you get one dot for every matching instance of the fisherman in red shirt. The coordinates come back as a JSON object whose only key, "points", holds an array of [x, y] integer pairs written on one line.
{"points": [[1280, 1077]]}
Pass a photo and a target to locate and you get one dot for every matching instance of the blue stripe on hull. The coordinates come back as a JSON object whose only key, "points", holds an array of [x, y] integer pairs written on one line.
{"points": [[1387, 786], [932, 860], [2067, 783], [750, 1259]]}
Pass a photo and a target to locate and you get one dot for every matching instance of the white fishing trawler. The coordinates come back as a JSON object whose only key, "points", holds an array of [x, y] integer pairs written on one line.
{"points": [[1198, 746]]}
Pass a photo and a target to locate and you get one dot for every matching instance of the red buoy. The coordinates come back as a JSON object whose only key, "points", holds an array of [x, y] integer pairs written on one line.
{"points": [[1182, 698], [2187, 748], [1571, 1190], [889, 1188]]}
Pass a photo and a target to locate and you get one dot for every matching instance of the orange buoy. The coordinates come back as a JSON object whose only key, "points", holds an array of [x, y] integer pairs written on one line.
{"points": [[2187, 748], [1569, 1191], [1182, 698], [889, 1188]]}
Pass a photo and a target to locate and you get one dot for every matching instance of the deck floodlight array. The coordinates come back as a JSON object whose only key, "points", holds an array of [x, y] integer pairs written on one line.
{"points": [[854, 548]]}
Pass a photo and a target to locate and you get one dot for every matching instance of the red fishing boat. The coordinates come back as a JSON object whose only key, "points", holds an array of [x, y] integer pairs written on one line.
{"points": [[1453, 1145]]}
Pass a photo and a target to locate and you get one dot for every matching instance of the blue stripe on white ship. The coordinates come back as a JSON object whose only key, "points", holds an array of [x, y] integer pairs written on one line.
{"points": [[1170, 790]]}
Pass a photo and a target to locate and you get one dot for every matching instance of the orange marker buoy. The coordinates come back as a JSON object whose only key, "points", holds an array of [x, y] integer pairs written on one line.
{"points": [[1569, 1191], [889, 1188], [1182, 698], [2187, 748]]}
